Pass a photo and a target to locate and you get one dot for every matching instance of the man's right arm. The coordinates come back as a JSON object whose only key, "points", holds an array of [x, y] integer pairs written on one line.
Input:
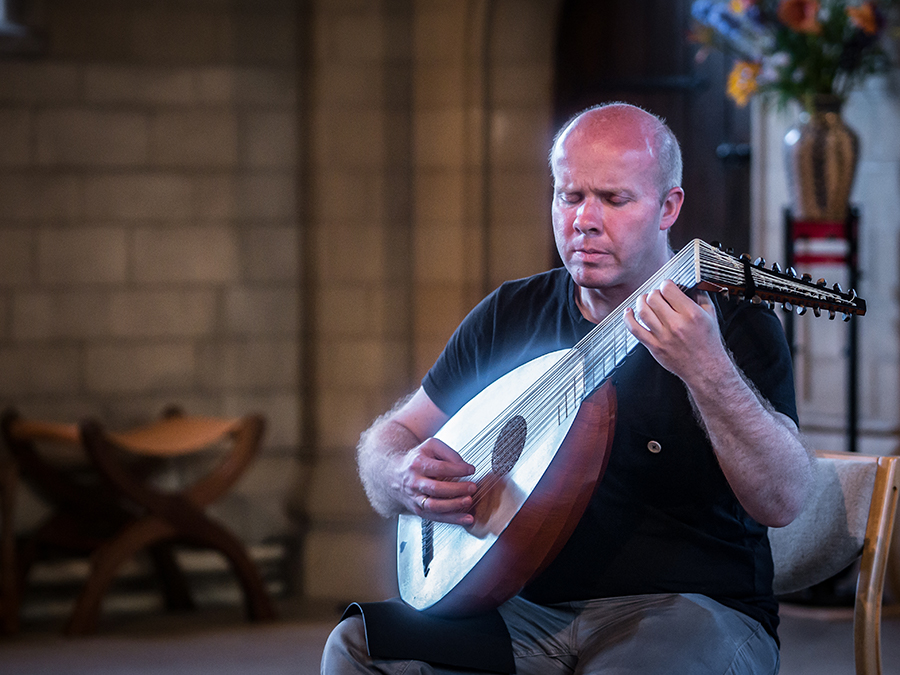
{"points": [[404, 470]]}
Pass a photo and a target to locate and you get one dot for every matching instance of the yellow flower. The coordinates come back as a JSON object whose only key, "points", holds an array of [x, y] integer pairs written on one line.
{"points": [[739, 6], [863, 17], [742, 81]]}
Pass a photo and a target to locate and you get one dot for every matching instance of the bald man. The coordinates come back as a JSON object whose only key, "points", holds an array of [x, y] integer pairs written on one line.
{"points": [[669, 570]]}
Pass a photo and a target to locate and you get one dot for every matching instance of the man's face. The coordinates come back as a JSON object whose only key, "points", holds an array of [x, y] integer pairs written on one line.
{"points": [[609, 219]]}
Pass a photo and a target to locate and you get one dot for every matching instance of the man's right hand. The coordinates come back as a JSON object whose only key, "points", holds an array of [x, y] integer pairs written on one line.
{"points": [[429, 486]]}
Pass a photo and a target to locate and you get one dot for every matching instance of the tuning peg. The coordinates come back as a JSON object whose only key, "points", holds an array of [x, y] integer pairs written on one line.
{"points": [[801, 310], [744, 256], [776, 268], [817, 311], [846, 318], [837, 287], [755, 300], [717, 244], [831, 314], [770, 304], [791, 272], [760, 262], [853, 295], [806, 277], [822, 283], [787, 307]]}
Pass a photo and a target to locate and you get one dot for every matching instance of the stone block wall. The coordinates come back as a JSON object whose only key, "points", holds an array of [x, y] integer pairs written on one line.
{"points": [[149, 240]]}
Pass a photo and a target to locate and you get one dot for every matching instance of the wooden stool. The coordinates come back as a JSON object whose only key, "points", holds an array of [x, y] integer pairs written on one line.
{"points": [[9, 587], [108, 506]]}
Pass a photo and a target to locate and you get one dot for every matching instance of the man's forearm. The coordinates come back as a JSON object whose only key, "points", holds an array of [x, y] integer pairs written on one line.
{"points": [[380, 448], [759, 450]]}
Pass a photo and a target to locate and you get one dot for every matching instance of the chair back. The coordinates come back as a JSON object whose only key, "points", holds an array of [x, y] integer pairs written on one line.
{"points": [[849, 516]]}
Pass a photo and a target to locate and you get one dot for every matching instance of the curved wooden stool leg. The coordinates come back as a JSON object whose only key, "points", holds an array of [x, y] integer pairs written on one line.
{"points": [[105, 563], [257, 603]]}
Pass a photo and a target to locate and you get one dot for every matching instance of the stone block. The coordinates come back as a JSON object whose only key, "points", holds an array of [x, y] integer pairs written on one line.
{"points": [[54, 315], [350, 566], [441, 197], [335, 491], [348, 85], [268, 310], [269, 139], [197, 138], [266, 36], [255, 508], [181, 34], [520, 198], [30, 370], [137, 196], [262, 195], [350, 363], [438, 310], [89, 255], [99, 32], [349, 138], [350, 310], [174, 312], [91, 138], [440, 85], [342, 416], [139, 85], [440, 254], [440, 139], [275, 87], [199, 254], [15, 137], [44, 81], [270, 253], [348, 251], [281, 409], [441, 33], [349, 37], [351, 195], [520, 137], [17, 255], [31, 196], [139, 367], [252, 364]]}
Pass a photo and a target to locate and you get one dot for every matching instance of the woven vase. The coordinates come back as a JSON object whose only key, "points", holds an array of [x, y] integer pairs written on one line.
{"points": [[821, 153]]}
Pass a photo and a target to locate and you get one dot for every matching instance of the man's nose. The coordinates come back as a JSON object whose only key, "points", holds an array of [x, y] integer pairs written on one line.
{"points": [[589, 216]]}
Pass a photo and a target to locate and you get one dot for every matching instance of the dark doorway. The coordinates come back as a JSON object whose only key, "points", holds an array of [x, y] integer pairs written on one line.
{"points": [[638, 52]]}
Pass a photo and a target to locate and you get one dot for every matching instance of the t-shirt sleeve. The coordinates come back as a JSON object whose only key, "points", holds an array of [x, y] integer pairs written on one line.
{"points": [[455, 378]]}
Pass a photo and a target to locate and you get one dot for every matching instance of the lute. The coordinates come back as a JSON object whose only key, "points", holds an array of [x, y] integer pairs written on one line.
{"points": [[539, 438]]}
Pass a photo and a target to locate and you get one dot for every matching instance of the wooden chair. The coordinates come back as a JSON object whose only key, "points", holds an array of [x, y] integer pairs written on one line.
{"points": [[9, 588], [105, 503], [850, 517]]}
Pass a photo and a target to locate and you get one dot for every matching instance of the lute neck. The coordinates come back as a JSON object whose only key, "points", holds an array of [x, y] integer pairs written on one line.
{"points": [[607, 345]]}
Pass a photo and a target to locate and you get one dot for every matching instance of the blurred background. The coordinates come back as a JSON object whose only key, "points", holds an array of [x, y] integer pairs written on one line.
{"points": [[286, 207]]}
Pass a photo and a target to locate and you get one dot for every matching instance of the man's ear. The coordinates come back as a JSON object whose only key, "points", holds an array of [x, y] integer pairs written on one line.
{"points": [[671, 207]]}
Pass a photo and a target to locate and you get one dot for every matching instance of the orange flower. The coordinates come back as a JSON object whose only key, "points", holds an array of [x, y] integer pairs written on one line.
{"points": [[863, 17], [742, 81], [800, 15]]}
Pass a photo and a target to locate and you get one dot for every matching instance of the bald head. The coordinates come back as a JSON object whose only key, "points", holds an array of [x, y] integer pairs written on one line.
{"points": [[629, 127]]}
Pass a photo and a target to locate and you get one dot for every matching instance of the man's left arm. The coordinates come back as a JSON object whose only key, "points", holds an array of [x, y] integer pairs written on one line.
{"points": [[759, 449]]}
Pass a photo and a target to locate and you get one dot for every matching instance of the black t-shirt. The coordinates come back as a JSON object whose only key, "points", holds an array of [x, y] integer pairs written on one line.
{"points": [[664, 521]]}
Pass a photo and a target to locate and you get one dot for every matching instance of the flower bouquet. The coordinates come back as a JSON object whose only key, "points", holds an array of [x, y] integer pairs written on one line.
{"points": [[812, 52], [797, 49]]}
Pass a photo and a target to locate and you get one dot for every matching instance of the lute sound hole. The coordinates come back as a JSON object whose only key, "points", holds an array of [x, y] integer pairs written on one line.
{"points": [[509, 444]]}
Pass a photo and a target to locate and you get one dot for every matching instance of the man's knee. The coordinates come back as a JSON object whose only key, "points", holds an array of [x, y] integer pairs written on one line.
{"points": [[345, 649]]}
